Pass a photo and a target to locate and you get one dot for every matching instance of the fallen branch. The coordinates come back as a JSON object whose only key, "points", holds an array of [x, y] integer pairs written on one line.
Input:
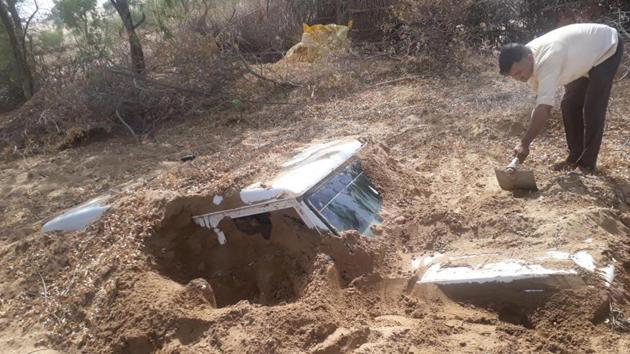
{"points": [[126, 125], [155, 82], [38, 350], [617, 319], [45, 294], [269, 102], [396, 80], [251, 71]]}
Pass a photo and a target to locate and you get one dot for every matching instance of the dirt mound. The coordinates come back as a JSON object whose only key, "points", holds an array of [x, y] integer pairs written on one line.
{"points": [[171, 277], [570, 316]]}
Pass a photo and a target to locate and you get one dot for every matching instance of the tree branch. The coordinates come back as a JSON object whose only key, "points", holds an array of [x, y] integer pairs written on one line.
{"points": [[251, 71], [45, 288], [144, 17], [17, 22], [28, 22], [155, 82], [206, 9], [126, 125]]}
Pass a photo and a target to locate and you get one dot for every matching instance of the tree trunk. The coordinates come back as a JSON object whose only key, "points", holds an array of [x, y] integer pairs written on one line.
{"points": [[13, 26], [135, 48]]}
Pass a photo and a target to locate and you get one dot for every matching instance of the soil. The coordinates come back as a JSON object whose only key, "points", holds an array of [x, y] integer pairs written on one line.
{"points": [[145, 279]]}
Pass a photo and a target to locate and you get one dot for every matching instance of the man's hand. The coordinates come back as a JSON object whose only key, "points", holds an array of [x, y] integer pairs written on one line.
{"points": [[540, 114], [521, 151]]}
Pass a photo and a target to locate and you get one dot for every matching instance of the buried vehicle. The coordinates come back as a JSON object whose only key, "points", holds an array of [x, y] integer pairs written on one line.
{"points": [[320, 190], [516, 285], [261, 243], [324, 184]]}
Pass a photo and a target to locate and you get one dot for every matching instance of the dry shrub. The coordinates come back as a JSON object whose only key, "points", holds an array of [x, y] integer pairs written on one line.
{"points": [[438, 34], [267, 29], [193, 69], [264, 28], [189, 74], [76, 136], [194, 60], [45, 119], [432, 34], [10, 97], [428, 32]]}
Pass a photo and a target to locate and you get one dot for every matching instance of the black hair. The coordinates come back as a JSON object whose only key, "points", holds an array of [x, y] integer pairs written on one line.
{"points": [[510, 54]]}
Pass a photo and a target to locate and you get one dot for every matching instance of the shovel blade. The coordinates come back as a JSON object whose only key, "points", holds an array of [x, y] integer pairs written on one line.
{"points": [[519, 179]]}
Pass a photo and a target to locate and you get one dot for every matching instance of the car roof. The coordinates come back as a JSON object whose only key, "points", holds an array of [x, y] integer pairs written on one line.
{"points": [[303, 171]]}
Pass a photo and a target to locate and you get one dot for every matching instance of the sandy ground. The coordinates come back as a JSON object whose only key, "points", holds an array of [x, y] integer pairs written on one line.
{"points": [[145, 279]]}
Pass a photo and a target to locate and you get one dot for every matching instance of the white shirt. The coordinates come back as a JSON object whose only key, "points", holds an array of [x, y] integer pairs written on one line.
{"points": [[568, 53]]}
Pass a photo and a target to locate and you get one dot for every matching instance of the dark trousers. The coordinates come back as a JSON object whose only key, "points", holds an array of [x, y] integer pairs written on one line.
{"points": [[584, 108]]}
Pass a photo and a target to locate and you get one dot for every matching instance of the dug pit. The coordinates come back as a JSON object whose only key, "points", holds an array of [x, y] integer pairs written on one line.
{"points": [[264, 259], [514, 302]]}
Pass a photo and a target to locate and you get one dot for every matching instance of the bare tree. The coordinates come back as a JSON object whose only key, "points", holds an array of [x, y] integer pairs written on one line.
{"points": [[17, 37], [135, 47]]}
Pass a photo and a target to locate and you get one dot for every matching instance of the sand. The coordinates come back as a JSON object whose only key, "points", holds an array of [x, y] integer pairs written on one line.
{"points": [[146, 279]]}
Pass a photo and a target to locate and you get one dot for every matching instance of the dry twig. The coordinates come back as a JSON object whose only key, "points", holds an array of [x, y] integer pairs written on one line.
{"points": [[45, 294], [618, 320], [397, 80], [76, 268], [251, 71], [158, 83], [38, 350], [126, 125]]}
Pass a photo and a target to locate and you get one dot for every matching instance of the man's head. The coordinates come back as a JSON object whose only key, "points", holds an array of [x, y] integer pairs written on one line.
{"points": [[517, 61]]}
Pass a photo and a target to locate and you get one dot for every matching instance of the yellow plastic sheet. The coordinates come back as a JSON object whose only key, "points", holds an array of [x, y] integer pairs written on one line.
{"points": [[317, 41]]}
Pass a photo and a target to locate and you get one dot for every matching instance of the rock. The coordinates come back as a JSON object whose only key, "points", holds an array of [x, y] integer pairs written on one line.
{"points": [[377, 230], [137, 343], [199, 290], [342, 340]]}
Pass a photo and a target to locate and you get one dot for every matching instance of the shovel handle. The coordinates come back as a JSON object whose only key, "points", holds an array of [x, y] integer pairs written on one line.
{"points": [[513, 165]]}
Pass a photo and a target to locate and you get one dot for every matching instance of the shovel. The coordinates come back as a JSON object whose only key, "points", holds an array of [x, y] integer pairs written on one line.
{"points": [[512, 178]]}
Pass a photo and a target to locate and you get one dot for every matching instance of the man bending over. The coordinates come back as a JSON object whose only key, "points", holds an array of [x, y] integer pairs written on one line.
{"points": [[584, 58]]}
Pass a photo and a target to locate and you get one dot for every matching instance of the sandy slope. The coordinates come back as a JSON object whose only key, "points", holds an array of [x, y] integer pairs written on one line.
{"points": [[141, 280]]}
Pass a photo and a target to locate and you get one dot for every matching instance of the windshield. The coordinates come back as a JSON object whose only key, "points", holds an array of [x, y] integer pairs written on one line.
{"points": [[348, 200]]}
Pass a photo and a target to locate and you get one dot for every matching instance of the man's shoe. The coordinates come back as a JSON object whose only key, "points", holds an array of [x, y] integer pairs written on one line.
{"points": [[586, 170], [565, 165]]}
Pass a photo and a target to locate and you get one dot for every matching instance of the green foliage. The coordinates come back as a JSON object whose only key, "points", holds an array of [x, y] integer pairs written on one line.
{"points": [[236, 103], [163, 13], [80, 16], [89, 27], [49, 40]]}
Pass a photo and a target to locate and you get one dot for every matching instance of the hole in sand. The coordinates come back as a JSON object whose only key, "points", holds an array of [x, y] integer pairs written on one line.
{"points": [[515, 314], [514, 302], [263, 260]]}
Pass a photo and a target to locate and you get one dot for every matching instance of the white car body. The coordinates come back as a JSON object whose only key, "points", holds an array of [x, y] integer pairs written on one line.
{"points": [[291, 188]]}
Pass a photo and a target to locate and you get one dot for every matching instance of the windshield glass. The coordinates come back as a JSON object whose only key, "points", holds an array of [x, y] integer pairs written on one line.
{"points": [[348, 200]]}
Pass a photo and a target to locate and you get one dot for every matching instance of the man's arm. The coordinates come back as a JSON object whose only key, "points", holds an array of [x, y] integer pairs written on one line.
{"points": [[540, 114], [547, 74]]}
